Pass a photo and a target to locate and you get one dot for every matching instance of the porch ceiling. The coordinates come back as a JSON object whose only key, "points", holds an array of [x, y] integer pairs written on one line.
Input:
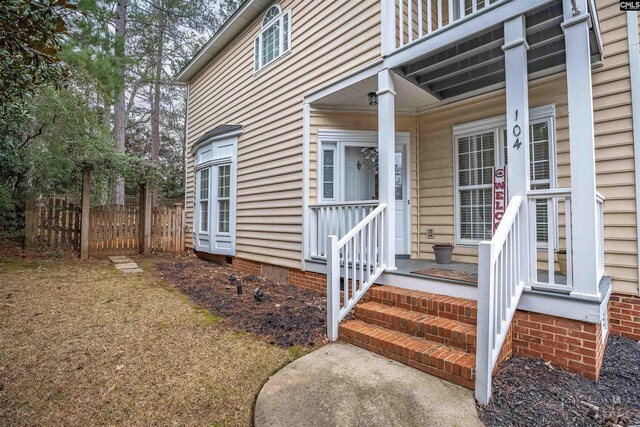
{"points": [[476, 64], [354, 97]]}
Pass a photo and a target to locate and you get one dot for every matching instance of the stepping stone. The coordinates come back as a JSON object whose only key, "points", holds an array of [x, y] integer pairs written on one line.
{"points": [[132, 270], [120, 259], [126, 265]]}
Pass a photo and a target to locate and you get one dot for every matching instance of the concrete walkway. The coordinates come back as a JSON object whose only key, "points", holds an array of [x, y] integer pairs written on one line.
{"points": [[343, 385], [125, 264]]}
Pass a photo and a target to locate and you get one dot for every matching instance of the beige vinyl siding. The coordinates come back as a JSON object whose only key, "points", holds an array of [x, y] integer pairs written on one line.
{"points": [[328, 39], [614, 149]]}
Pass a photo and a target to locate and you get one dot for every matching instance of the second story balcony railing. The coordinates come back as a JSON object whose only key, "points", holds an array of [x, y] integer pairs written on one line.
{"points": [[415, 19]]}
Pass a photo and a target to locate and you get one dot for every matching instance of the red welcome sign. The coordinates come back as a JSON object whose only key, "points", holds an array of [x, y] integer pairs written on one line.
{"points": [[499, 195]]}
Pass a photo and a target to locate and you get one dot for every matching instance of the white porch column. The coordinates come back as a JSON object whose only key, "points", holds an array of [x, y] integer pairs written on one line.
{"points": [[517, 93], [386, 162], [582, 147]]}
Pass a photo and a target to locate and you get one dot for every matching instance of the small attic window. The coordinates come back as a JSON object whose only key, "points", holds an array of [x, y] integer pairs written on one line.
{"points": [[274, 38]]}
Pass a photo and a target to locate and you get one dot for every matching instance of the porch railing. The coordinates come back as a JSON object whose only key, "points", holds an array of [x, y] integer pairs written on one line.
{"points": [[334, 218], [354, 262], [419, 18], [501, 280], [547, 207]]}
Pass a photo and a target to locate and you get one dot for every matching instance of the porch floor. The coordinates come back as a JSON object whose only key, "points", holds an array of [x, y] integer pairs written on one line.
{"points": [[408, 267]]}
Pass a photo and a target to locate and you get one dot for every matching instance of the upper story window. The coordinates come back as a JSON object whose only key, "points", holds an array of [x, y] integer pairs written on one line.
{"points": [[274, 38]]}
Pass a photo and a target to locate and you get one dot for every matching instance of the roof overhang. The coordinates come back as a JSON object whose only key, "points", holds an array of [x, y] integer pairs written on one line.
{"points": [[235, 25], [216, 134]]}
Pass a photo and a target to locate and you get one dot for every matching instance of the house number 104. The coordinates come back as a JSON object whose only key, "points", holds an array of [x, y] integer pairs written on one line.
{"points": [[516, 132]]}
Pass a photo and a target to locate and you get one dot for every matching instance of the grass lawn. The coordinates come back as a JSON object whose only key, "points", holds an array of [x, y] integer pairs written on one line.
{"points": [[82, 344]]}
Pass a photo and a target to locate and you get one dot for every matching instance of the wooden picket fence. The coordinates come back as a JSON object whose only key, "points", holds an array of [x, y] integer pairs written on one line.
{"points": [[167, 231], [53, 221], [114, 230]]}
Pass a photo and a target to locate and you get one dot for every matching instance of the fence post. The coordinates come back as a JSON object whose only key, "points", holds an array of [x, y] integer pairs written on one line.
{"points": [[145, 219], [30, 216], [84, 223], [177, 228]]}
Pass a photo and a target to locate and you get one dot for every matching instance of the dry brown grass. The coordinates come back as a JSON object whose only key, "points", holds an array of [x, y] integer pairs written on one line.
{"points": [[83, 344]]}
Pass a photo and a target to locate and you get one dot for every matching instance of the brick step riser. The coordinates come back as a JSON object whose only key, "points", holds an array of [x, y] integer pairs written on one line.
{"points": [[404, 353], [435, 333], [435, 308]]}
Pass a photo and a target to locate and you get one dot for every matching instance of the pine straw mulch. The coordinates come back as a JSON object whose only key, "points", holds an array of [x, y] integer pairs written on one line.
{"points": [[531, 392], [81, 344], [286, 316]]}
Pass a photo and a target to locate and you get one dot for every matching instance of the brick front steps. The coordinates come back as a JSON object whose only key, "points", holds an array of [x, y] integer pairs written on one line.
{"points": [[433, 333]]}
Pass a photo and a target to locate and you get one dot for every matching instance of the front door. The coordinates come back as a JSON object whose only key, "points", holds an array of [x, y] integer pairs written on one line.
{"points": [[361, 182]]}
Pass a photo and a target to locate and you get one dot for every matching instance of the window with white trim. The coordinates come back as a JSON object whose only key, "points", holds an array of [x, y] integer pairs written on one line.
{"points": [[328, 171], [224, 194], [477, 152], [274, 38], [204, 200], [476, 159]]}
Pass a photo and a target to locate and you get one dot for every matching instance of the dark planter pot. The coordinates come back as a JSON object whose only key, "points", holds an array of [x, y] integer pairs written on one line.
{"points": [[443, 253]]}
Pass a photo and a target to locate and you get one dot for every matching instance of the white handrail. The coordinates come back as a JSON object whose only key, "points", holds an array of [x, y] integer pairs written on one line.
{"points": [[353, 203], [356, 262], [500, 285]]}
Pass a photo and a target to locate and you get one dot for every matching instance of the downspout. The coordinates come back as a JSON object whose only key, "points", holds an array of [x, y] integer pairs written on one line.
{"points": [[306, 128], [634, 67], [417, 154]]}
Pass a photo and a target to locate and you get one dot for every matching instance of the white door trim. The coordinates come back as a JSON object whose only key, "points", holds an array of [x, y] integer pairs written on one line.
{"points": [[364, 138]]}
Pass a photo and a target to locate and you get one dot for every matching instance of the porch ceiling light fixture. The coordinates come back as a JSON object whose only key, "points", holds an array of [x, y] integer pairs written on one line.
{"points": [[373, 98]]}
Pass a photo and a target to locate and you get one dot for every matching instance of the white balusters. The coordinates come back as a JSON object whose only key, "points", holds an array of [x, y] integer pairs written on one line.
{"points": [[500, 285], [334, 219], [355, 261], [546, 244], [442, 13]]}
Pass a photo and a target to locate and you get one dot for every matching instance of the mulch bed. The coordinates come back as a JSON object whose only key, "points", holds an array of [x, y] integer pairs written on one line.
{"points": [[287, 315], [448, 274], [531, 392]]}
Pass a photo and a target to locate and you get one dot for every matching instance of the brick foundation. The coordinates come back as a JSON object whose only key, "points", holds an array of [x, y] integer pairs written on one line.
{"points": [[308, 280], [624, 316], [302, 279], [218, 259], [247, 266], [575, 346]]}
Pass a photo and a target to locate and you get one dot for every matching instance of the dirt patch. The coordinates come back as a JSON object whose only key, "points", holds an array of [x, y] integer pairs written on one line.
{"points": [[14, 248], [531, 392], [286, 314]]}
